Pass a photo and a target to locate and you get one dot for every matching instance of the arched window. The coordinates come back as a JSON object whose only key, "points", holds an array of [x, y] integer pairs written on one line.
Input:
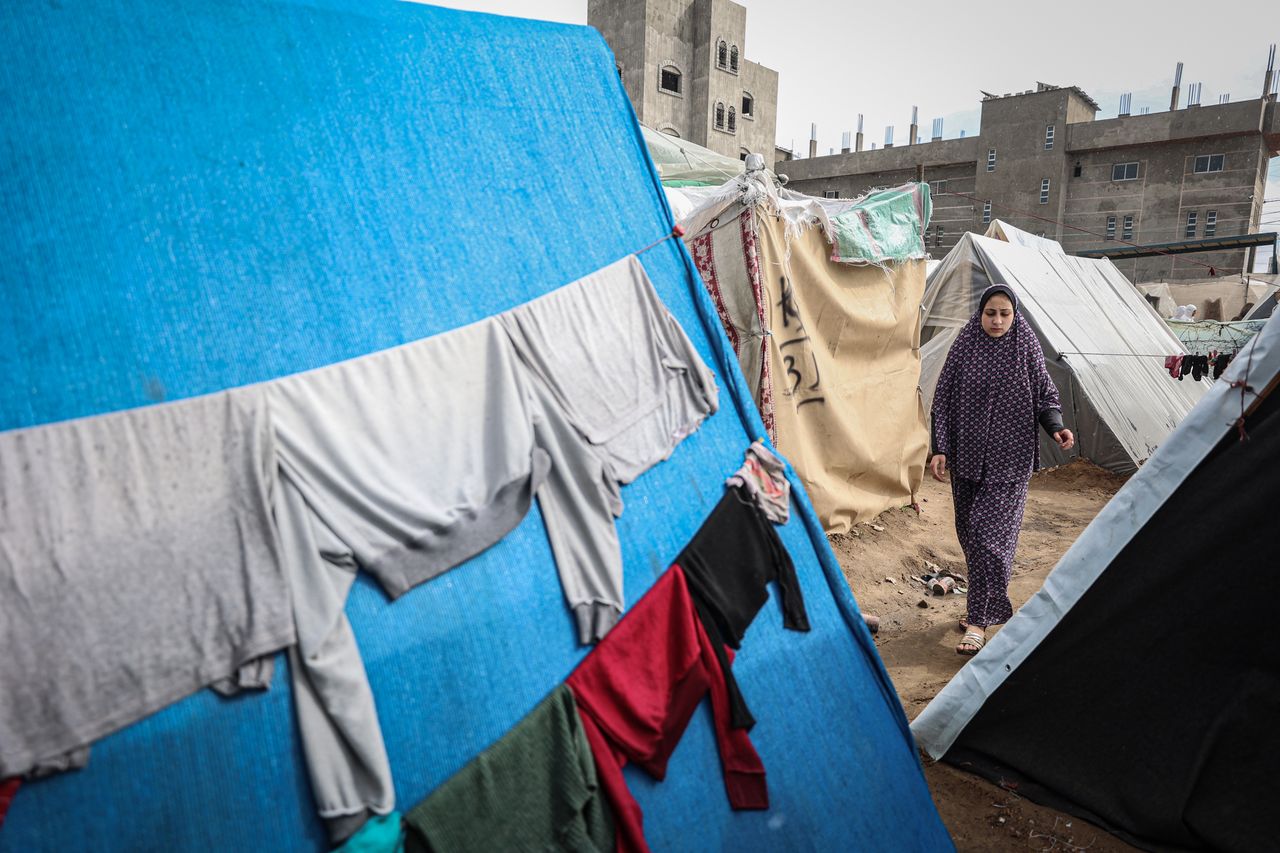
{"points": [[669, 79], [719, 116], [733, 120], [733, 59], [742, 153], [722, 54], [748, 105], [671, 131]]}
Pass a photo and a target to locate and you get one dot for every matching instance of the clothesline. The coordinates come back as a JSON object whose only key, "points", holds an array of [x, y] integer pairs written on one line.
{"points": [[1121, 354]]}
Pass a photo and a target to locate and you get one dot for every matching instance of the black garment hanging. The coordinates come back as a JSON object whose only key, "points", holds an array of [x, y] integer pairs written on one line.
{"points": [[1197, 367], [728, 564]]}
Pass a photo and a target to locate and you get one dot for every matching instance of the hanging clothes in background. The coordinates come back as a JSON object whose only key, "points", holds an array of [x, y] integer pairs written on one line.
{"points": [[535, 789], [138, 565], [728, 565], [636, 692], [1220, 363], [763, 477]]}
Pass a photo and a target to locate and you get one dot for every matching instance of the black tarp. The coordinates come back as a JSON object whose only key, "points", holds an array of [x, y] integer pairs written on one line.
{"points": [[1153, 707]]}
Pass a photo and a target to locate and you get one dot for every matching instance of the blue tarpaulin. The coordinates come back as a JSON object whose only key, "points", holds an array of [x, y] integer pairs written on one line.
{"points": [[200, 195]]}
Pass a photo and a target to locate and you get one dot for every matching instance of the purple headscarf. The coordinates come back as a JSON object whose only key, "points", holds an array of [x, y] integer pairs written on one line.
{"points": [[989, 399]]}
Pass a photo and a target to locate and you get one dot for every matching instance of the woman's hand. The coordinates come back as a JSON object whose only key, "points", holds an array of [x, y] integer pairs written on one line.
{"points": [[1065, 439], [938, 467]]}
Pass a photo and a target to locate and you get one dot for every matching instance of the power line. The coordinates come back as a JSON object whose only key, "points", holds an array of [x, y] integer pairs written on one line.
{"points": [[976, 200]]}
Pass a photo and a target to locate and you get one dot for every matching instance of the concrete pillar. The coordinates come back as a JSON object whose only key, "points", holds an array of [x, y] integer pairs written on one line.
{"points": [[813, 140]]}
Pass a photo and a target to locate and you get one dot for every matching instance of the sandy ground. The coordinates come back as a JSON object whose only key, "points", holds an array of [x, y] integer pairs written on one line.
{"points": [[919, 632]]}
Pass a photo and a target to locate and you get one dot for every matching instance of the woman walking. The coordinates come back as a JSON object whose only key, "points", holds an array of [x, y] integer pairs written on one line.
{"points": [[993, 390]]}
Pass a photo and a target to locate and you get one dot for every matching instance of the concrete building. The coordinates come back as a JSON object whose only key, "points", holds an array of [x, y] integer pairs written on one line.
{"points": [[1043, 162], [684, 66]]}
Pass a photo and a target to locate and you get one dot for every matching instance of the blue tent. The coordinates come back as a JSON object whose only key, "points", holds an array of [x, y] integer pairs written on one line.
{"points": [[202, 195]]}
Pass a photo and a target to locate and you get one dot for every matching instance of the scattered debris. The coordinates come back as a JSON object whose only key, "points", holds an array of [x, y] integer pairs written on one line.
{"points": [[873, 622], [922, 603], [889, 580], [877, 528]]}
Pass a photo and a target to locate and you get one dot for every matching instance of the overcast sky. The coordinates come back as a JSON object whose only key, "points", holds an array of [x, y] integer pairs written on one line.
{"points": [[836, 58]]}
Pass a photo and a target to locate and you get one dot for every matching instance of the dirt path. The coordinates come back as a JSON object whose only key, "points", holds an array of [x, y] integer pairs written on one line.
{"points": [[918, 635]]}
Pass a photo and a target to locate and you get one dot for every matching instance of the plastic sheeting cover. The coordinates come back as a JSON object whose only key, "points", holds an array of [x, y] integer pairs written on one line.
{"points": [[683, 164], [883, 226]]}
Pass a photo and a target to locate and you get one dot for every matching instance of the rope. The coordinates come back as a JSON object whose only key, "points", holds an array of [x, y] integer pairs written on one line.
{"points": [[1245, 388], [676, 231], [1209, 267]]}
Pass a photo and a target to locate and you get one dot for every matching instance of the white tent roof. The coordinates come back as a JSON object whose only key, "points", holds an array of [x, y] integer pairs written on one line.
{"points": [[1097, 331], [1106, 536], [1001, 230]]}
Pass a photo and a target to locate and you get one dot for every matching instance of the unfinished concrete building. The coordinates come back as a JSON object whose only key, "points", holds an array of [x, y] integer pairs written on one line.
{"points": [[684, 66], [1043, 162]]}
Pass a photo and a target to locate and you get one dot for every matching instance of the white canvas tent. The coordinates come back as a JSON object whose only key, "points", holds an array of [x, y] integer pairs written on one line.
{"points": [[1104, 344]]}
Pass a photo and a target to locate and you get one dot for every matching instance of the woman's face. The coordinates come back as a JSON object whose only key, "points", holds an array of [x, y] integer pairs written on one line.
{"points": [[997, 315]]}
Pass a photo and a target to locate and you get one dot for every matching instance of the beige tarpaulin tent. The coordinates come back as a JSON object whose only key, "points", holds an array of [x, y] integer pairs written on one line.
{"points": [[830, 348]]}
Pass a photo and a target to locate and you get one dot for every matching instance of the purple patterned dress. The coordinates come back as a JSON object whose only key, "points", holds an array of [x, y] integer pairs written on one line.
{"points": [[990, 396]]}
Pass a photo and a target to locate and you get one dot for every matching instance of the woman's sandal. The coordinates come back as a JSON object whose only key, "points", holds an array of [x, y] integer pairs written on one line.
{"points": [[974, 643]]}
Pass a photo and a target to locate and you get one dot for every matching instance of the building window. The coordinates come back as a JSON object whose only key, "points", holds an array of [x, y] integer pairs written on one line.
{"points": [[733, 120], [938, 187], [1191, 224], [671, 131], [669, 79], [722, 55], [831, 194], [733, 59], [719, 116], [748, 105], [1210, 163], [1044, 191], [1211, 223], [991, 159], [1128, 228], [1048, 137], [1078, 170], [742, 154], [940, 235], [986, 211], [1111, 227], [1124, 172]]}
